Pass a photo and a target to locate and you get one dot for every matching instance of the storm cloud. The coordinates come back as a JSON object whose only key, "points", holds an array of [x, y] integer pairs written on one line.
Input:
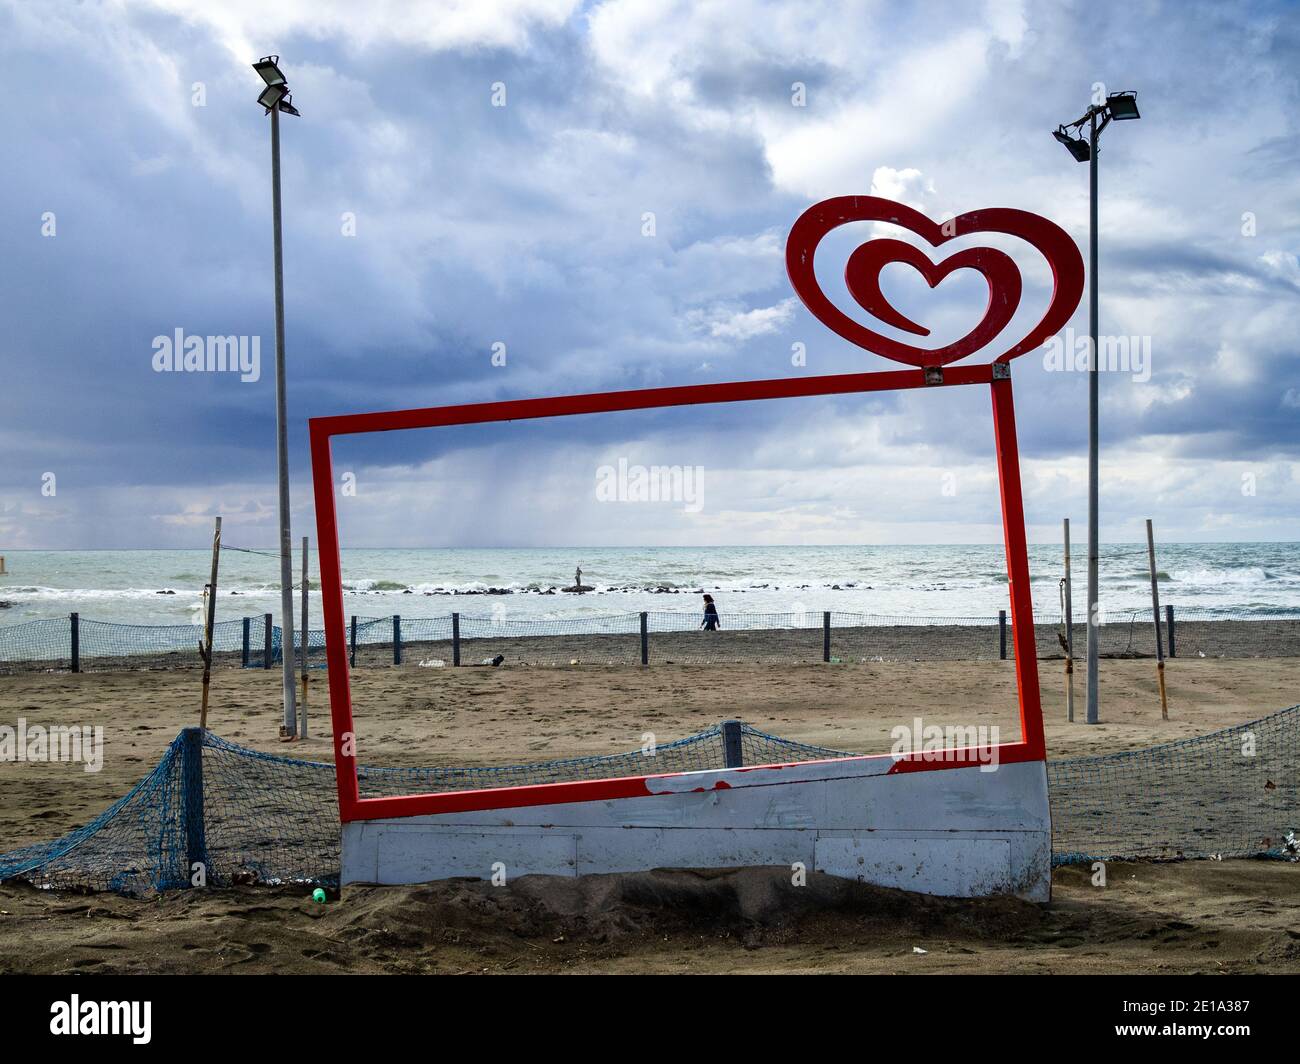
{"points": [[620, 222]]}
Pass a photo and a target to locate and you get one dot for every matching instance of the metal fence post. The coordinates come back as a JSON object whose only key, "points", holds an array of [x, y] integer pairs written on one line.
{"points": [[645, 638], [1169, 626], [74, 621], [304, 645], [1002, 634], [352, 660], [268, 637], [732, 752], [455, 639], [397, 639], [826, 635], [196, 846], [244, 651]]}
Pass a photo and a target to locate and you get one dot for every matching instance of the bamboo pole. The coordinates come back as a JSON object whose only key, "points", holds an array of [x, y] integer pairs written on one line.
{"points": [[1155, 609], [205, 647], [1069, 631], [304, 638]]}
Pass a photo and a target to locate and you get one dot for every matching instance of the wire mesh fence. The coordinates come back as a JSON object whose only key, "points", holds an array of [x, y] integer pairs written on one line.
{"points": [[648, 638]]}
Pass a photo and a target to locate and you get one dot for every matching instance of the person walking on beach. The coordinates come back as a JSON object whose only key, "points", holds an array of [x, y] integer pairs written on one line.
{"points": [[710, 622]]}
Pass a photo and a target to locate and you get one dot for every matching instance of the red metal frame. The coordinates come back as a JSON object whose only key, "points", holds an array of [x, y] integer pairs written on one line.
{"points": [[353, 807], [862, 275]]}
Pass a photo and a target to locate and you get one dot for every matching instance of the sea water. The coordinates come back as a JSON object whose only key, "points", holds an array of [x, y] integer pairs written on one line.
{"points": [[909, 582]]}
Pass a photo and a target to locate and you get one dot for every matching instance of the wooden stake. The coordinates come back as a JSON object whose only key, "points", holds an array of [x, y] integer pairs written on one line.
{"points": [[1155, 609], [1069, 631], [205, 647], [303, 658]]}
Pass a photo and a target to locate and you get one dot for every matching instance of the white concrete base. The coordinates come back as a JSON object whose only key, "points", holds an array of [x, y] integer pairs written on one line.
{"points": [[959, 832]]}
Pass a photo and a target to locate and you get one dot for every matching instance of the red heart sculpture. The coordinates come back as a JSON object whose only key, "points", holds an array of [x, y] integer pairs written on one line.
{"points": [[862, 273]]}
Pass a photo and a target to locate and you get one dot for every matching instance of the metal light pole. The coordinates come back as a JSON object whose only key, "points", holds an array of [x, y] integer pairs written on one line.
{"points": [[1119, 106], [1094, 381], [275, 98]]}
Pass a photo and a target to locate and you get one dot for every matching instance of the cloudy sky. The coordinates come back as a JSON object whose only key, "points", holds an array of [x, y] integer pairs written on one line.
{"points": [[602, 193]]}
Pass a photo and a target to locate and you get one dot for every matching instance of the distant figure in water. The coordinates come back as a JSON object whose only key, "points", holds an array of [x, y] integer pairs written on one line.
{"points": [[578, 586], [710, 622]]}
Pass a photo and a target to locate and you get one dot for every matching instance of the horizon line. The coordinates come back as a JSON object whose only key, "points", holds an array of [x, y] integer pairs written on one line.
{"points": [[274, 549]]}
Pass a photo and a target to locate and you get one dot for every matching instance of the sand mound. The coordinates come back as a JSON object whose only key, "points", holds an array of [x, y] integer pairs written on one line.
{"points": [[1195, 916], [756, 905]]}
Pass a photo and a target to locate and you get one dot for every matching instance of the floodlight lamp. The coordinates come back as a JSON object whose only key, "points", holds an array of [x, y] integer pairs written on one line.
{"points": [[269, 68], [1123, 106], [1076, 146], [272, 95]]}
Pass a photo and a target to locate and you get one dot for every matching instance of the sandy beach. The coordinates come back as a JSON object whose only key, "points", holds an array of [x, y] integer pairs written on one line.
{"points": [[412, 716], [1193, 916], [1200, 917]]}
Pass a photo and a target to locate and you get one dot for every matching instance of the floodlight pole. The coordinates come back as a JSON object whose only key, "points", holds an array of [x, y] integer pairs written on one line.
{"points": [[289, 727], [1094, 625], [1118, 105]]}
